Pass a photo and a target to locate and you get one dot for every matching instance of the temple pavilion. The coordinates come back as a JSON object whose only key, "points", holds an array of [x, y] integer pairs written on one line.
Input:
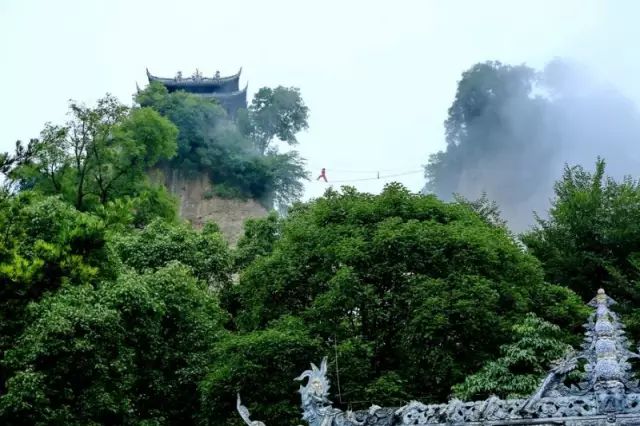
{"points": [[225, 90]]}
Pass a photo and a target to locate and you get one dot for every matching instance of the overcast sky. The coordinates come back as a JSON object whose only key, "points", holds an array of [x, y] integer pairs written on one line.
{"points": [[378, 76]]}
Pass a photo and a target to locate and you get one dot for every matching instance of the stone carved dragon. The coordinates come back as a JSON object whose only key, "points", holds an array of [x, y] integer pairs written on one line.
{"points": [[316, 406]]}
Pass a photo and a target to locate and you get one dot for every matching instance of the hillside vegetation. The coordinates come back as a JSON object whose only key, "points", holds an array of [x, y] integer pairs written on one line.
{"points": [[113, 311]]}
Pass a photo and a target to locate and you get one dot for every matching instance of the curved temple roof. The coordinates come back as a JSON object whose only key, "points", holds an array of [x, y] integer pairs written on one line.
{"points": [[223, 89], [197, 80], [607, 395], [226, 95]]}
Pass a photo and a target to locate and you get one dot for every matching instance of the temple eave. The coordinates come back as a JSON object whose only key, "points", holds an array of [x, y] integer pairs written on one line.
{"points": [[195, 80], [222, 95]]}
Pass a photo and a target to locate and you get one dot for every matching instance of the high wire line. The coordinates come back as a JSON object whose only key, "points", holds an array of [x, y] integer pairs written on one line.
{"points": [[364, 171], [377, 177]]}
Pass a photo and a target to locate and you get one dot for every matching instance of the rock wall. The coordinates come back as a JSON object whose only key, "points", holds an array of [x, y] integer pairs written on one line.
{"points": [[198, 206]]}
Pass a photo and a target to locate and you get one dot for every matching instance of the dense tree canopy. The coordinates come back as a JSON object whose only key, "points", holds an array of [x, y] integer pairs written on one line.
{"points": [[235, 155], [274, 113], [112, 311], [592, 238], [401, 286], [510, 130], [160, 243], [45, 243], [516, 374], [128, 352], [84, 339], [242, 361], [100, 154], [109, 309]]}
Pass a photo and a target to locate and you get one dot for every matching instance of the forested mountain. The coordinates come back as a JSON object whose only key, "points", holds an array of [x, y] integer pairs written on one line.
{"points": [[114, 311], [511, 129]]}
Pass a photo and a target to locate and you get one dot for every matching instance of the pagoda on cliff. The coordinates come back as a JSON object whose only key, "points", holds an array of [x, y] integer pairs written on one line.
{"points": [[225, 90]]}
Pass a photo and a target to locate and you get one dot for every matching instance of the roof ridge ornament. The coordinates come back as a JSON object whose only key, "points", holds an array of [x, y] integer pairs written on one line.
{"points": [[224, 89], [317, 408], [246, 415]]}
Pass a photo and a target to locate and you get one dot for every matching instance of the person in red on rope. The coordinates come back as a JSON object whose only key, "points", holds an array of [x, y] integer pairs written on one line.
{"points": [[323, 175]]}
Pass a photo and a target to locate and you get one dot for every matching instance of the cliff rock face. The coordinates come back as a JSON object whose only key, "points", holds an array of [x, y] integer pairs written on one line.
{"points": [[199, 206]]}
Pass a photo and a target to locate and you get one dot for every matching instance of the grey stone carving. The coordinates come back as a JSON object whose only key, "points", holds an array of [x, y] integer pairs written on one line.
{"points": [[607, 395], [244, 413], [316, 406]]}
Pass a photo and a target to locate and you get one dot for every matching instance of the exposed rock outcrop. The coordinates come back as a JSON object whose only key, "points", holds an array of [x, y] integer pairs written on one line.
{"points": [[199, 205]]}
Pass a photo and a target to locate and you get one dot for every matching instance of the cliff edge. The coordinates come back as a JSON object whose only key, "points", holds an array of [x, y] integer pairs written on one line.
{"points": [[199, 205]]}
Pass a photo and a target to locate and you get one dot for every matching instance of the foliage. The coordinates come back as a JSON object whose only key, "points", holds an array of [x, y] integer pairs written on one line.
{"points": [[479, 134], [401, 286], [204, 128], [172, 346], [159, 243], [275, 113], [223, 191], [287, 173], [129, 352], [536, 344], [45, 243], [485, 208], [126, 212], [243, 362], [210, 142], [592, 238], [113, 312], [258, 239], [70, 366], [101, 153], [510, 129]]}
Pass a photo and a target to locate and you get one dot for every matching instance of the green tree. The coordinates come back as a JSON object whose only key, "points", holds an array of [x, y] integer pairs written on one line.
{"points": [[71, 365], [100, 154], [45, 243], [259, 366], [489, 147], [210, 142], [172, 342], [160, 243], [592, 238], [275, 113], [131, 352], [485, 208], [205, 131], [522, 363], [287, 171], [400, 286], [258, 239]]}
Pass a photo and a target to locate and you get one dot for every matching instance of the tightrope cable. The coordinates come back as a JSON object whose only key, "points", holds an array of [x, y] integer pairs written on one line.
{"points": [[377, 177]]}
